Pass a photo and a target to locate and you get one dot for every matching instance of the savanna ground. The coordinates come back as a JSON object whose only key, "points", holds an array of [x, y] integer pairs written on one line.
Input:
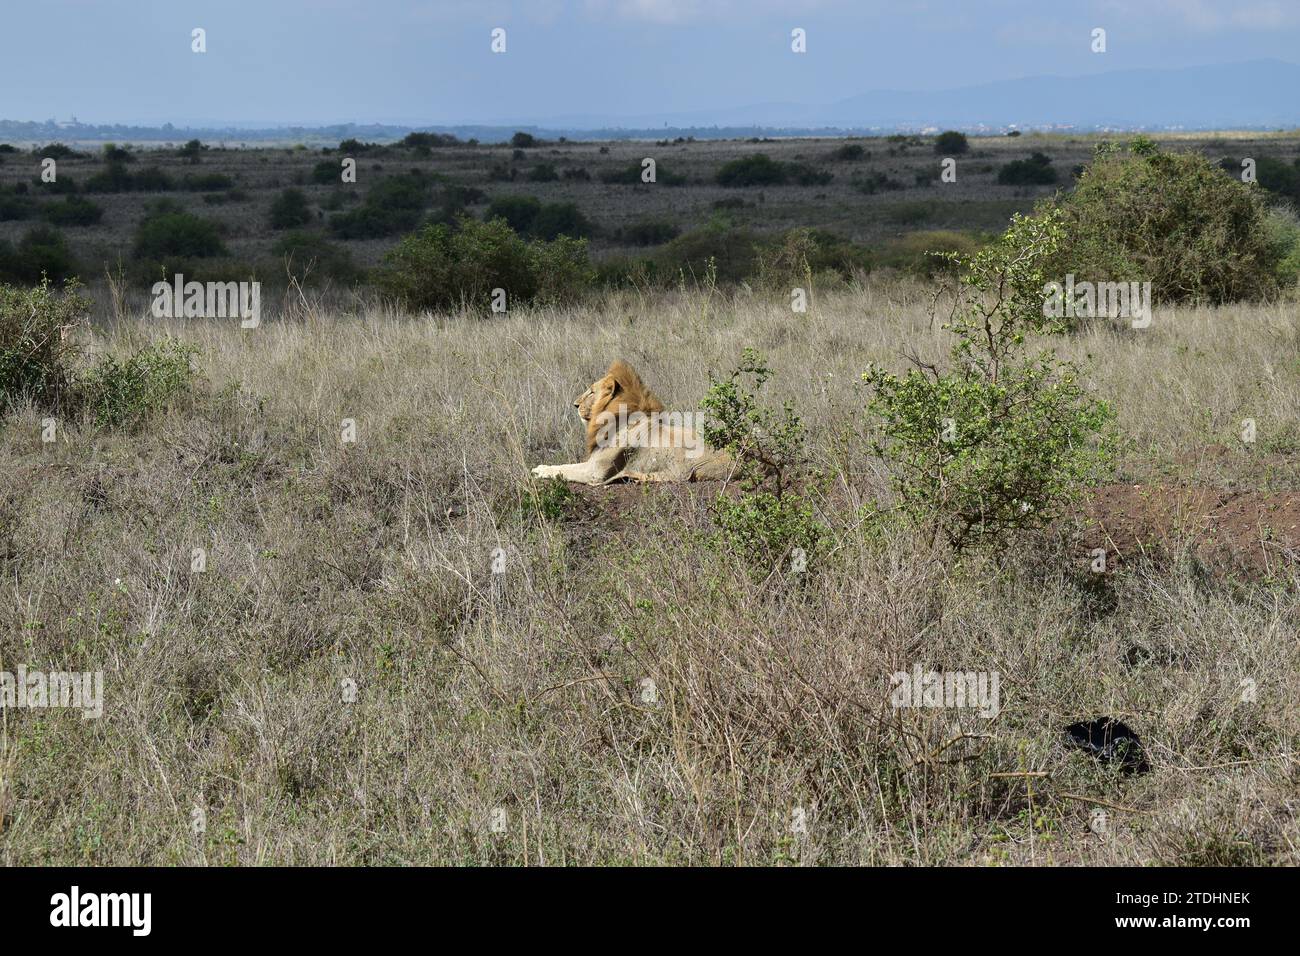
{"points": [[523, 691]]}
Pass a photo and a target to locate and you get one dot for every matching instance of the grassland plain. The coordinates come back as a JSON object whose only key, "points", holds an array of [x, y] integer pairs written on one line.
{"points": [[504, 717]]}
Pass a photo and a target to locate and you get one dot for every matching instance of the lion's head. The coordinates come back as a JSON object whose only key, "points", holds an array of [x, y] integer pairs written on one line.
{"points": [[620, 391]]}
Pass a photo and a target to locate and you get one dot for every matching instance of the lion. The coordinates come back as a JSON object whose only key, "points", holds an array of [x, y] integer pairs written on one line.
{"points": [[631, 438]]}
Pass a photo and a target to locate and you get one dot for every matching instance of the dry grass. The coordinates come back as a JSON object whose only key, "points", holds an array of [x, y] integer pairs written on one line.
{"points": [[524, 691]]}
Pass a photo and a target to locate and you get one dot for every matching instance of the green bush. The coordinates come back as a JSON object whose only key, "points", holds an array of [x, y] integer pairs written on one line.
{"points": [[876, 182], [543, 173], [762, 170], [57, 151], [192, 151], [523, 140], [73, 211], [290, 209], [38, 354], [560, 219], [1173, 219], [518, 211], [770, 524], [116, 178], [121, 392], [630, 175], [848, 153], [649, 232], [441, 267], [392, 205], [1035, 171], [327, 173], [1282, 228], [713, 252], [926, 253], [1004, 437], [169, 231], [42, 252], [951, 143], [14, 206], [310, 253]]}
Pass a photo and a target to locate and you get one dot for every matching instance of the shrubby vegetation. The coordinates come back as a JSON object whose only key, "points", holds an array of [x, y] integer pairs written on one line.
{"points": [[761, 170], [1173, 219], [443, 267], [1005, 436]]}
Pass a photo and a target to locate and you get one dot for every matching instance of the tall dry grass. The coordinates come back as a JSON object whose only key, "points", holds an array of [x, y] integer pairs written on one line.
{"points": [[507, 719]]}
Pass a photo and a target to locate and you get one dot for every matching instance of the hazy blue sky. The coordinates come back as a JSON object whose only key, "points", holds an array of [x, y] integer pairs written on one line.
{"points": [[428, 61]]}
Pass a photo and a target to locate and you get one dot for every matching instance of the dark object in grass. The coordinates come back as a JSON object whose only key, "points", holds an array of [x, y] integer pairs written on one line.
{"points": [[1110, 741]]}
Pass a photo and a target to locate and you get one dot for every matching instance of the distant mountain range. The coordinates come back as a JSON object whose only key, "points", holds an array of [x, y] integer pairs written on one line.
{"points": [[1260, 94]]}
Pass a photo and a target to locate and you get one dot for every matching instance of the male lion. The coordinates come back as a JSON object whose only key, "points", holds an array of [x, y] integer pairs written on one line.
{"points": [[631, 438]]}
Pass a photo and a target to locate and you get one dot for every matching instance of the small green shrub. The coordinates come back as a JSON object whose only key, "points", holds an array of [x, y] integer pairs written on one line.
{"points": [[649, 232], [38, 354], [523, 140], [1004, 437], [849, 152], [441, 267], [770, 524], [951, 143], [73, 211], [543, 173], [762, 170], [41, 253], [121, 392], [631, 176], [169, 231], [310, 253], [290, 209], [1035, 171]]}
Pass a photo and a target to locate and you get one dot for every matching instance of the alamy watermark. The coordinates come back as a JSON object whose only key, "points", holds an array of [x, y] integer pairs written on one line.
{"points": [[179, 299], [1090, 300], [936, 689], [72, 689]]}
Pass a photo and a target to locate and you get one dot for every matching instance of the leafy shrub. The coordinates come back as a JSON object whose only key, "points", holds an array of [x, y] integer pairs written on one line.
{"points": [[770, 522], [1278, 177], [876, 182], [112, 153], [951, 143], [716, 251], [518, 211], [116, 178], [42, 252], [169, 231], [57, 151], [649, 232], [1005, 437], [373, 222], [354, 147], [327, 173], [37, 354], [1282, 228], [310, 253], [630, 175], [14, 206], [762, 170], [927, 253], [290, 209], [192, 151], [560, 219], [1035, 171], [1172, 219], [441, 267], [523, 140], [121, 392], [543, 173], [73, 211], [848, 153]]}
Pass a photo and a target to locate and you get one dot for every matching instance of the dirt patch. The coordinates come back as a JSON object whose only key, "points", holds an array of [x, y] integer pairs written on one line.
{"points": [[1250, 531]]}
